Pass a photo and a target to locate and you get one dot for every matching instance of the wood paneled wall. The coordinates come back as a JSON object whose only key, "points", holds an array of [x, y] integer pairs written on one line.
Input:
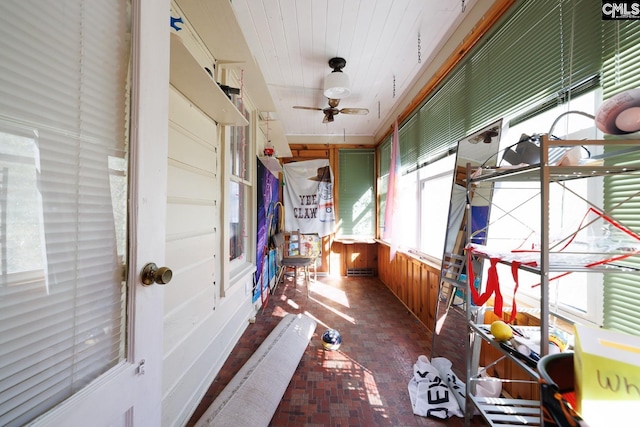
{"points": [[414, 282], [354, 255], [330, 261]]}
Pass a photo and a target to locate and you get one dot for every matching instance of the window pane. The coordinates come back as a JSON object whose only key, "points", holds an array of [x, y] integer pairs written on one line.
{"points": [[384, 164], [435, 195], [515, 216], [237, 212], [240, 143], [240, 154], [63, 192]]}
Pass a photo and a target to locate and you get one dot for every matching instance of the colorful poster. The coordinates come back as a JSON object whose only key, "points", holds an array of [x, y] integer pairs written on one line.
{"points": [[268, 217], [308, 197]]}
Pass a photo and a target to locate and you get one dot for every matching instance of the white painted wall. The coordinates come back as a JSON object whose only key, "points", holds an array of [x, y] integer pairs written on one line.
{"points": [[200, 327]]}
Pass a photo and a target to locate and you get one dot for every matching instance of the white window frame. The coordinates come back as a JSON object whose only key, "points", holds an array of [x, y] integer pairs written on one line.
{"points": [[238, 269], [575, 129], [437, 176]]}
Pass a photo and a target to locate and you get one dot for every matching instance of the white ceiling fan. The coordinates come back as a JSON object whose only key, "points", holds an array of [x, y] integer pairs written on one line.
{"points": [[336, 87]]}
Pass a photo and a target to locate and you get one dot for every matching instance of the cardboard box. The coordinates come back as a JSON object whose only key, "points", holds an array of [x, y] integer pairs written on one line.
{"points": [[607, 376]]}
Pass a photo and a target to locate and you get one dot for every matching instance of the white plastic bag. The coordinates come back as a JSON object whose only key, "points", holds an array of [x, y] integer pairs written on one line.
{"points": [[430, 393]]}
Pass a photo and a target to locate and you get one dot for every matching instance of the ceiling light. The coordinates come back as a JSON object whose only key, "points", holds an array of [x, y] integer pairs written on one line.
{"points": [[336, 84]]}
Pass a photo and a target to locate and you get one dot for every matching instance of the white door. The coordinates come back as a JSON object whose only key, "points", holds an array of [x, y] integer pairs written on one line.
{"points": [[128, 393]]}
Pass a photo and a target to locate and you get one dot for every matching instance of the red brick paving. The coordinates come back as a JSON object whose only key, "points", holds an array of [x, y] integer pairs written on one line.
{"points": [[364, 382]]}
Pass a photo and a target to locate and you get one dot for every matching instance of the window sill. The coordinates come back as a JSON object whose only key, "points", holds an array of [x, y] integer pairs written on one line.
{"points": [[240, 273], [355, 240]]}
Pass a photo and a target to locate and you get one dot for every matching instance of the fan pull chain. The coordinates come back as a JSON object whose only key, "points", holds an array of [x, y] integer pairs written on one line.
{"points": [[394, 86], [419, 50]]}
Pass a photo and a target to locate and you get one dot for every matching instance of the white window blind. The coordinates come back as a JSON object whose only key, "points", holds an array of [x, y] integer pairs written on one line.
{"points": [[63, 190]]}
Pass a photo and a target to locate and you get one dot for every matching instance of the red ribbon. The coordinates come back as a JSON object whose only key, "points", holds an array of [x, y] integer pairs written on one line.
{"points": [[493, 286]]}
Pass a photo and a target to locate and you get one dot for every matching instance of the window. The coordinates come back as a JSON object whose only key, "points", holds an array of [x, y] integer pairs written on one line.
{"points": [[424, 192], [239, 186], [357, 194], [237, 224], [621, 72], [517, 208], [384, 163], [539, 52], [543, 54], [435, 196], [63, 192]]}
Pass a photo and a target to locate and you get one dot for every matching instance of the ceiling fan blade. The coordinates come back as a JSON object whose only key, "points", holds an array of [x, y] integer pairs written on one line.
{"points": [[361, 111], [328, 117], [307, 108]]}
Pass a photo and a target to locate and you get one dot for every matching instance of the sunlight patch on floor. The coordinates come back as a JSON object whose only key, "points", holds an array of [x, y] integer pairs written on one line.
{"points": [[372, 389], [333, 310], [330, 292], [279, 311], [318, 321], [357, 376]]}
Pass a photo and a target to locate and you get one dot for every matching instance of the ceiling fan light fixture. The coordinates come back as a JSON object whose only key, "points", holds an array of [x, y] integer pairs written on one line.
{"points": [[336, 84]]}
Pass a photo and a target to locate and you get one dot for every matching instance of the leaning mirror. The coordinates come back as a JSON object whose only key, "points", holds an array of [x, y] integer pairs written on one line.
{"points": [[449, 330]]}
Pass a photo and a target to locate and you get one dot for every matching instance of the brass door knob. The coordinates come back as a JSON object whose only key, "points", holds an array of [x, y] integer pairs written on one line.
{"points": [[151, 274]]}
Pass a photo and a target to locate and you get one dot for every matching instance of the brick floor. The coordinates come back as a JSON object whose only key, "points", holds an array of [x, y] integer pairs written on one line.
{"points": [[364, 382]]}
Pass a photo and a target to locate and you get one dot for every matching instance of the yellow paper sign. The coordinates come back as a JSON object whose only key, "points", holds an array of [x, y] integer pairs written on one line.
{"points": [[607, 374]]}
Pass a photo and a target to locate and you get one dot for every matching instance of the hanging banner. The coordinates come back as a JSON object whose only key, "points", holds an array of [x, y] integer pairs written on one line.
{"points": [[266, 201], [308, 197]]}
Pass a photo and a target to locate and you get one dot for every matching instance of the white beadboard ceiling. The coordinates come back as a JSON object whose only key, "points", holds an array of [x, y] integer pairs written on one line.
{"points": [[387, 44]]}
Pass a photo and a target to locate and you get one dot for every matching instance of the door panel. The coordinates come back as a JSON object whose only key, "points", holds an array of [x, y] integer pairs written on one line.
{"points": [[130, 393]]}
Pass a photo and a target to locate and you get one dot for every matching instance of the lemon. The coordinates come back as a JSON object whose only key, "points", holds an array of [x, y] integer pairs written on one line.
{"points": [[501, 331]]}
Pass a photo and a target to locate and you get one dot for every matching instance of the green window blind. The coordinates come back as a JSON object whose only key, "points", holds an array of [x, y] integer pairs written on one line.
{"points": [[537, 53], [543, 52], [621, 291], [439, 128], [356, 193], [543, 49], [621, 71], [408, 138], [620, 57], [384, 163], [384, 157]]}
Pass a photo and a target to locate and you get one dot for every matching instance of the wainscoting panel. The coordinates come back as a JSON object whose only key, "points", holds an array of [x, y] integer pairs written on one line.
{"points": [[414, 282]]}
